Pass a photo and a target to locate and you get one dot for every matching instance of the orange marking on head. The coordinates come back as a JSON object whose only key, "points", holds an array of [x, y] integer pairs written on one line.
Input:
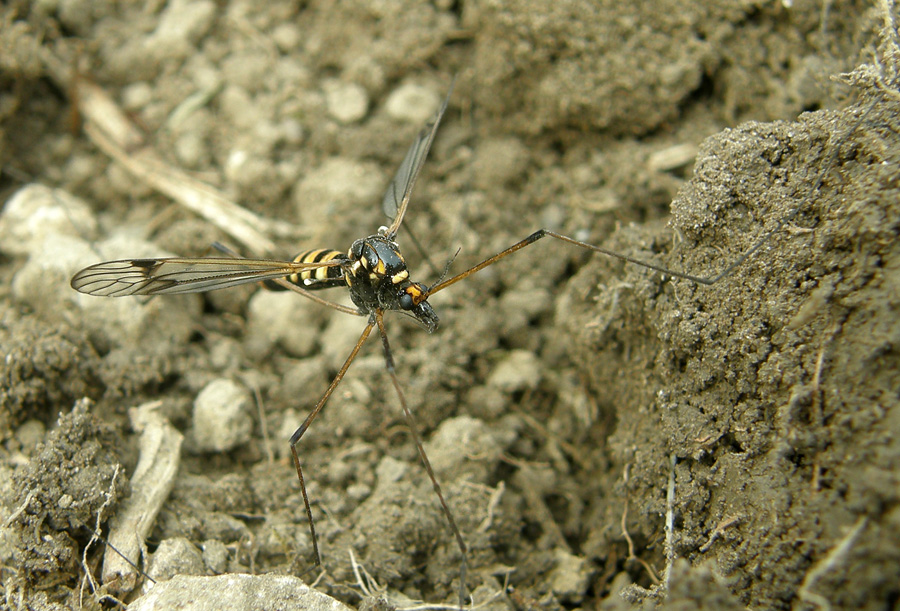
{"points": [[417, 294]]}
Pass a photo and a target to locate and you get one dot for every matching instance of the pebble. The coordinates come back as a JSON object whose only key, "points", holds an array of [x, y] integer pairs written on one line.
{"points": [[35, 212], [570, 578], [412, 103], [340, 185], [221, 417], [339, 336], [519, 370], [389, 471], [283, 318], [499, 161], [346, 102], [29, 434], [182, 25], [287, 37], [304, 377], [215, 556], [457, 439], [175, 556], [136, 96], [235, 592]]}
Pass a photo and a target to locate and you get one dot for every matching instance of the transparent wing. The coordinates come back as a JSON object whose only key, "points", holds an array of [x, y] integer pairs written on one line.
{"points": [[177, 276], [396, 198]]}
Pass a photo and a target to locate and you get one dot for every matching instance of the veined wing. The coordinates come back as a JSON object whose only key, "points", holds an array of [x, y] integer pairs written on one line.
{"points": [[396, 198], [175, 276]]}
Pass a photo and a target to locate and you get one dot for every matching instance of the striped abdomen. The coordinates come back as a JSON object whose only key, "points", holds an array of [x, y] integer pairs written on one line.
{"points": [[318, 278]]}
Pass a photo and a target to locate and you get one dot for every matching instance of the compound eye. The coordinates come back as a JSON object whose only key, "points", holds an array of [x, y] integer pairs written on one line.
{"points": [[406, 302], [356, 249]]}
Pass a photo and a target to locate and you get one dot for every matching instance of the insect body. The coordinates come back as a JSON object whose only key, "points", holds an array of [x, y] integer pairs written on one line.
{"points": [[376, 276], [317, 278]]}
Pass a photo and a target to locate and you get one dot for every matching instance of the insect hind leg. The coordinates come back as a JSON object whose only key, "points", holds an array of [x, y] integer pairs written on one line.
{"points": [[413, 427], [298, 434]]}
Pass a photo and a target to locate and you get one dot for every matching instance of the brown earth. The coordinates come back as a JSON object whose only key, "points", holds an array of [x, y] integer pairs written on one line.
{"points": [[565, 395]]}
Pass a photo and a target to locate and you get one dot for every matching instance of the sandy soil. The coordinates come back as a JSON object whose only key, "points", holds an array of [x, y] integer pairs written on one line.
{"points": [[607, 436]]}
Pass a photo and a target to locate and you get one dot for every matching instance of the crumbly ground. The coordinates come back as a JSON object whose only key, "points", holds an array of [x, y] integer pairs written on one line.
{"points": [[606, 436]]}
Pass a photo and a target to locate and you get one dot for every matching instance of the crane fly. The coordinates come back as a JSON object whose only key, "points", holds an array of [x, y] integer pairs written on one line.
{"points": [[375, 274]]}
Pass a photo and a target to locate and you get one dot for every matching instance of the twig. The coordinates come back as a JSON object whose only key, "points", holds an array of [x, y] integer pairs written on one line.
{"points": [[837, 554], [160, 454], [21, 509], [94, 536], [89, 574], [200, 198], [717, 532], [631, 555], [670, 522], [263, 425], [369, 587], [496, 495], [110, 129]]}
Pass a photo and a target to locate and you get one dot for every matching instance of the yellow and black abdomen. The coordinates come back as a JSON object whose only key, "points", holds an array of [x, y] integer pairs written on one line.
{"points": [[319, 277]]}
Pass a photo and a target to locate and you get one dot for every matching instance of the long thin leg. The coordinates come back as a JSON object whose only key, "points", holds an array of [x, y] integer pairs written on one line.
{"points": [[414, 431], [295, 438], [537, 235]]}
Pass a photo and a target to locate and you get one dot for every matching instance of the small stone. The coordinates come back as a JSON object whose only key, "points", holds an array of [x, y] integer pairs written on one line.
{"points": [[520, 370], [215, 556], [222, 417], [282, 318], [487, 402], [338, 187], [338, 336], [35, 212], [191, 149], [346, 102], [29, 434], [249, 173], [458, 438], [304, 377], [500, 161], [235, 592], [359, 492], [238, 108], [137, 96], [182, 25], [175, 556], [570, 578], [287, 36], [412, 103], [389, 471]]}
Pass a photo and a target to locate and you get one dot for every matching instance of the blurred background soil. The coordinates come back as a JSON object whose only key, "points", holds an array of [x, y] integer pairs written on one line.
{"points": [[571, 404]]}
